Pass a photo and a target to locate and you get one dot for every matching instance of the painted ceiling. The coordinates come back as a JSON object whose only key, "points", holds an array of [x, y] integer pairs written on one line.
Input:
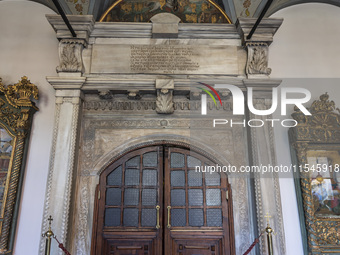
{"points": [[233, 8]]}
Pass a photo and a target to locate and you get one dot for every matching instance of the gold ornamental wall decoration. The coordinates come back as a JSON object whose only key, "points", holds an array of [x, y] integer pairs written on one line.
{"points": [[316, 152], [16, 112]]}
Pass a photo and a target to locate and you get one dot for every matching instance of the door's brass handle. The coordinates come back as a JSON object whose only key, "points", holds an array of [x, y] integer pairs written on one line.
{"points": [[169, 225], [157, 208]]}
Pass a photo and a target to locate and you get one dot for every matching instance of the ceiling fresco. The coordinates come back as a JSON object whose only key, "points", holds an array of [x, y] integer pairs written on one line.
{"points": [[233, 8]]}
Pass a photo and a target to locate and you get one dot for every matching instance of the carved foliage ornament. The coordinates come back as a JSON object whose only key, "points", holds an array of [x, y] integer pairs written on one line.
{"points": [[164, 102], [16, 112], [257, 59], [318, 136], [70, 55]]}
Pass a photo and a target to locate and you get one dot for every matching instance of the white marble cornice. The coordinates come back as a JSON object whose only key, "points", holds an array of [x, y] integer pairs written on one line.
{"points": [[82, 25], [66, 82], [147, 83], [144, 30], [264, 32]]}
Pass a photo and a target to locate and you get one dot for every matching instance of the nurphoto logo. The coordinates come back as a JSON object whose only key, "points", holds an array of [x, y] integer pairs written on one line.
{"points": [[239, 105]]}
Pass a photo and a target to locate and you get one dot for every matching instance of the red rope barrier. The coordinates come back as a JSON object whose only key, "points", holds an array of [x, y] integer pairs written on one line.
{"points": [[61, 246], [252, 245]]}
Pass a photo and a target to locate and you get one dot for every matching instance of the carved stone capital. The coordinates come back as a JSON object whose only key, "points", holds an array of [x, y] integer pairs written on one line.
{"points": [[70, 55], [164, 101], [257, 63]]}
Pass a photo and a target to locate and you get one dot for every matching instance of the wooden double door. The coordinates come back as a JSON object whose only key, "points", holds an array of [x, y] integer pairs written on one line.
{"points": [[153, 201]]}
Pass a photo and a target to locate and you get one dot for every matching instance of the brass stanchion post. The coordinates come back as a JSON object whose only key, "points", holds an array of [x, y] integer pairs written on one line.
{"points": [[49, 234], [269, 231]]}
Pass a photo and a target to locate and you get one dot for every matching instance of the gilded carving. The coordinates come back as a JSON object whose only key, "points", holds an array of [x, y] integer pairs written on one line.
{"points": [[70, 55], [20, 93], [316, 132], [322, 126], [328, 232], [257, 59], [16, 110]]}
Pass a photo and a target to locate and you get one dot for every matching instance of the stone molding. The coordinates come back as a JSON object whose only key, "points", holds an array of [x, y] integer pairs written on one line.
{"points": [[264, 32], [82, 25]]}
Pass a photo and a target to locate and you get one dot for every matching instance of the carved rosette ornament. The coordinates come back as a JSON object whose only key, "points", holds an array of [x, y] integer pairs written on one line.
{"points": [[16, 112], [319, 131], [257, 63], [70, 55], [164, 101]]}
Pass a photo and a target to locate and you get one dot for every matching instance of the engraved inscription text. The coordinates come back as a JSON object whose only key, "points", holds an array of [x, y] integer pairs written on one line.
{"points": [[163, 58]]}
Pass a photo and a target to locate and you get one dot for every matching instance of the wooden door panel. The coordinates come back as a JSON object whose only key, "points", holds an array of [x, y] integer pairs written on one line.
{"points": [[196, 246], [196, 206], [126, 247], [130, 202]]}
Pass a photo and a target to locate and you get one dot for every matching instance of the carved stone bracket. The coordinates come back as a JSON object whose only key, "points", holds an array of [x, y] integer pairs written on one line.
{"points": [[70, 55], [257, 63], [164, 101]]}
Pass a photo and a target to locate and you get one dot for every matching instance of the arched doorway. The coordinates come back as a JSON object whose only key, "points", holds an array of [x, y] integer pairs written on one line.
{"points": [[152, 201]]}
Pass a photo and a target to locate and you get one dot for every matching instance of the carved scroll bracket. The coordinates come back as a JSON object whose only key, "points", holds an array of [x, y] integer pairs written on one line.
{"points": [[70, 55], [257, 63], [164, 101]]}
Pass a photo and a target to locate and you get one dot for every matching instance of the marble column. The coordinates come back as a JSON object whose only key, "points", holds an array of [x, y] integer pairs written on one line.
{"points": [[261, 139], [63, 159], [262, 152]]}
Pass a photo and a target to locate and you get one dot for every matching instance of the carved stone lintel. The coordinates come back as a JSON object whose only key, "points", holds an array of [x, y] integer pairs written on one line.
{"points": [[164, 101], [257, 63], [70, 55]]}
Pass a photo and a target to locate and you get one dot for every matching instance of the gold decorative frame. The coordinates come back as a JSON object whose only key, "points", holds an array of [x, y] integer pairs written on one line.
{"points": [[16, 112], [316, 134]]}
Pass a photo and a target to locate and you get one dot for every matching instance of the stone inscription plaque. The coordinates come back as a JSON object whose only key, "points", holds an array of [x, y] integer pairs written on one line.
{"points": [[164, 59]]}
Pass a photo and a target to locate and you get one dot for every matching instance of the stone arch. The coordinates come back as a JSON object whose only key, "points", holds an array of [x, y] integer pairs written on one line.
{"points": [[158, 139]]}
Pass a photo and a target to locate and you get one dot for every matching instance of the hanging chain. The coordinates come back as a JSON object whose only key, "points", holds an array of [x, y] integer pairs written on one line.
{"points": [[61, 246]]}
